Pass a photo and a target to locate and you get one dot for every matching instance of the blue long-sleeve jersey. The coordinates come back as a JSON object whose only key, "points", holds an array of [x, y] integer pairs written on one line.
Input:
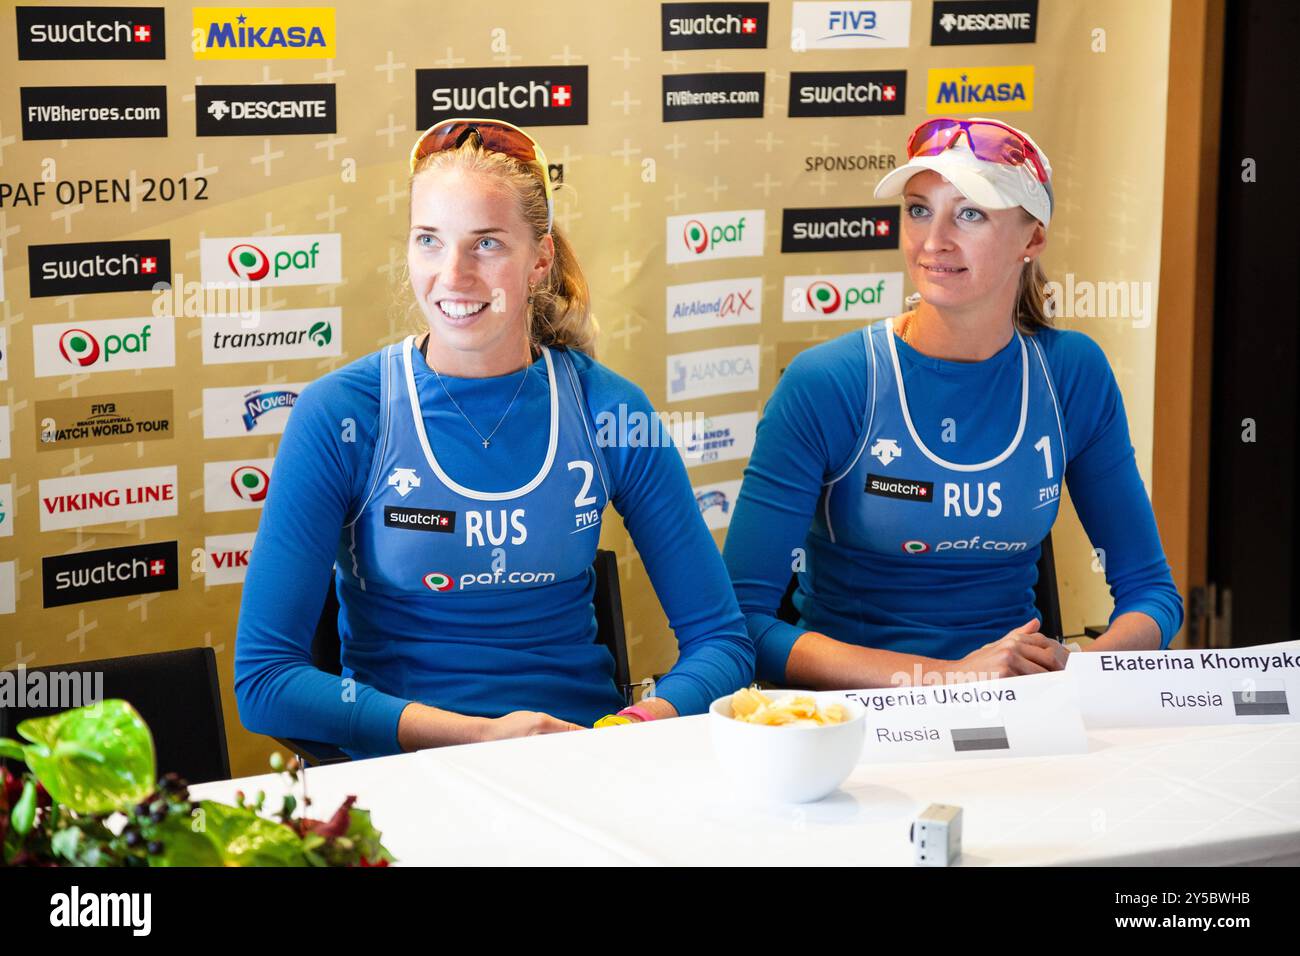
{"points": [[911, 494], [464, 571]]}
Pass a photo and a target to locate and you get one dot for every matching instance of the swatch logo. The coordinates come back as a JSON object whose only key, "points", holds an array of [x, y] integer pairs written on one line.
{"points": [[523, 95], [109, 573], [904, 489], [87, 268], [91, 33], [714, 26], [250, 483], [839, 229], [863, 93]]}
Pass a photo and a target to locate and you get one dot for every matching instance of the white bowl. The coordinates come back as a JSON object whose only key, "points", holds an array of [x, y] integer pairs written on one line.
{"points": [[788, 764]]}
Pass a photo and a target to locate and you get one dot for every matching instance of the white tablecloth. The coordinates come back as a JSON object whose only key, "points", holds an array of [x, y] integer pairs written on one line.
{"points": [[653, 793]]}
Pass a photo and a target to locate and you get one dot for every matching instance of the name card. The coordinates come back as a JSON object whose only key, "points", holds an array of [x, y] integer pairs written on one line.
{"points": [[1030, 716], [1247, 685]]}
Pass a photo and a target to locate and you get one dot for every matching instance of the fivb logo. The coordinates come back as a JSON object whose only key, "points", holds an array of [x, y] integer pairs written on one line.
{"points": [[990, 89], [854, 296], [710, 305], [278, 336], [236, 485], [850, 25], [264, 33], [715, 235], [91, 33], [105, 345], [273, 260]]}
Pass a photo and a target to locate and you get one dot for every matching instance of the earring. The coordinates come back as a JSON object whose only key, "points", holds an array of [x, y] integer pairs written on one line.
{"points": [[1026, 258]]}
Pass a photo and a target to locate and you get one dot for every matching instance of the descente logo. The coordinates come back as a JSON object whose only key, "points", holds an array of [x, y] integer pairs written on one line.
{"points": [[74, 908], [235, 33]]}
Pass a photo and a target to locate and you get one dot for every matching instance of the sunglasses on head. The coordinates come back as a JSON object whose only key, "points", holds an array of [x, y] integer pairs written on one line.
{"points": [[495, 135], [988, 140]]}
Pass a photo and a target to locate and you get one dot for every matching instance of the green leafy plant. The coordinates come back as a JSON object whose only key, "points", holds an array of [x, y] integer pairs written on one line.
{"points": [[88, 765]]}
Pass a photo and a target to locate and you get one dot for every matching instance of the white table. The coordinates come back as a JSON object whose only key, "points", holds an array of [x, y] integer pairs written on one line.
{"points": [[653, 794]]}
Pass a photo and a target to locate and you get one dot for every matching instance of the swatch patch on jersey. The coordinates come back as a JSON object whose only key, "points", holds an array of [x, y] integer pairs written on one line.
{"points": [[420, 519], [903, 488]]}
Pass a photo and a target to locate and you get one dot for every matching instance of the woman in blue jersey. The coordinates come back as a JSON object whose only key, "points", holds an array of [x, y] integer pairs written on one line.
{"points": [[908, 471], [454, 482]]}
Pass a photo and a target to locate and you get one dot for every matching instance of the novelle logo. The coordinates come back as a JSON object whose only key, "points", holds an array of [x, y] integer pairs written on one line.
{"points": [[93, 112], [104, 345], [714, 26], [91, 33], [108, 573], [523, 95], [244, 410], [715, 235], [273, 260], [860, 93], [716, 503], [83, 268], [905, 489], [852, 296], [970, 22], [839, 229], [284, 109]]}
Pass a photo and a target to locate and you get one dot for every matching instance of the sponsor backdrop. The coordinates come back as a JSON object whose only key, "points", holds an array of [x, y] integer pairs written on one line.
{"points": [[717, 162]]}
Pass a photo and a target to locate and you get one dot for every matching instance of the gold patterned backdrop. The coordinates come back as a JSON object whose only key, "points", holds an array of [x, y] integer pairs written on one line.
{"points": [[1097, 87]]}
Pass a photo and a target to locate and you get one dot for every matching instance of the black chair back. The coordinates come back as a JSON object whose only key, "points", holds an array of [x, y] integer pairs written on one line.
{"points": [[1047, 598], [178, 695], [607, 603]]}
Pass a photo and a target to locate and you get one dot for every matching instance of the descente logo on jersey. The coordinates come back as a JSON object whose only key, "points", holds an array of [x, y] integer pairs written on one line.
{"points": [[82, 268], [108, 573], [714, 26], [420, 519], [104, 345], [273, 260], [285, 109], [992, 89], [850, 24], [905, 489], [264, 33], [523, 95], [108, 496], [839, 229], [277, 336], [983, 21], [862, 93], [715, 235], [851, 296], [91, 33]]}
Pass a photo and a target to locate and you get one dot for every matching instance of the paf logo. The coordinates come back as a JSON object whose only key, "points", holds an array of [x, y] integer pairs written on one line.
{"points": [[272, 260], [439, 581], [236, 485], [853, 296], [991, 89], [106, 345], [250, 482], [263, 33], [718, 235]]}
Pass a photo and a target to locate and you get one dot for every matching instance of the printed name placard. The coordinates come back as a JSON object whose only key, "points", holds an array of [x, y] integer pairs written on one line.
{"points": [[1250, 685], [1030, 716]]}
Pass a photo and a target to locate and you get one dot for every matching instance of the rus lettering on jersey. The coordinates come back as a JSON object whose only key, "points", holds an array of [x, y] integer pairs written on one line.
{"points": [[494, 527], [971, 499]]}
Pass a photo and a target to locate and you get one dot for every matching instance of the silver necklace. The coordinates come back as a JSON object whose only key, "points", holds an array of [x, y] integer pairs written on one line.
{"points": [[485, 439]]}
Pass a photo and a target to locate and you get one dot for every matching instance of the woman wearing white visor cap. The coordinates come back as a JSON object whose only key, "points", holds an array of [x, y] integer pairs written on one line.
{"points": [[908, 471]]}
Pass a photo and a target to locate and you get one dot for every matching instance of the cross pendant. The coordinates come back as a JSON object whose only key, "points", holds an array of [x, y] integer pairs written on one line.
{"points": [[485, 442]]}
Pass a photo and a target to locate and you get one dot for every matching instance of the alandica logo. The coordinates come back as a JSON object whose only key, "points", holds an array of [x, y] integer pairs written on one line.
{"points": [[107, 345], [993, 89], [264, 33], [272, 260]]}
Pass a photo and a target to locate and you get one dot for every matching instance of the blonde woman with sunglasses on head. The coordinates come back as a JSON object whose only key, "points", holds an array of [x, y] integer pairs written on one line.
{"points": [[919, 462], [463, 519]]}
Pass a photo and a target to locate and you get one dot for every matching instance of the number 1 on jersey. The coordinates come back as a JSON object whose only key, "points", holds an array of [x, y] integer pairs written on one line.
{"points": [[1045, 447]]}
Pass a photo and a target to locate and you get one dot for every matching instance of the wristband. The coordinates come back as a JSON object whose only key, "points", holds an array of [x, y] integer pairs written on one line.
{"points": [[611, 720], [636, 710]]}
